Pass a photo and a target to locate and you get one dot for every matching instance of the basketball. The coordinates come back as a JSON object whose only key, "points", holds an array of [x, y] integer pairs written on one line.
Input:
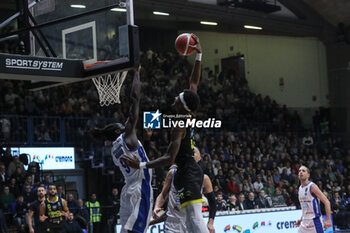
{"points": [[183, 42]]}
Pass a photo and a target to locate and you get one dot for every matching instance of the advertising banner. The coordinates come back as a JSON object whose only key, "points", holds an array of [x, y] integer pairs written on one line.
{"points": [[49, 158], [267, 222]]}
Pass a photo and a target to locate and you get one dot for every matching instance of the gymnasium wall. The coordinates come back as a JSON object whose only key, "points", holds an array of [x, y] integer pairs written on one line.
{"points": [[301, 62]]}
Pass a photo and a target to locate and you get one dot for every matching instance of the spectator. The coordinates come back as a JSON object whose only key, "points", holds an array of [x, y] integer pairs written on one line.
{"points": [[19, 209], [232, 186], [269, 198], [14, 187], [251, 203], [258, 185], [19, 176], [220, 179], [220, 202], [95, 213], [71, 203], [83, 214], [3, 175], [71, 225], [28, 195], [3, 226], [242, 205], [28, 181], [338, 203], [5, 128], [6, 199], [285, 176], [47, 181], [270, 187], [7, 158], [114, 202], [276, 176], [60, 192], [262, 201], [232, 203], [16, 163], [34, 173]]}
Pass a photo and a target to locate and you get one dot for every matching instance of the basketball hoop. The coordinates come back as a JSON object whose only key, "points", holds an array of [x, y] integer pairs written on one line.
{"points": [[108, 86]]}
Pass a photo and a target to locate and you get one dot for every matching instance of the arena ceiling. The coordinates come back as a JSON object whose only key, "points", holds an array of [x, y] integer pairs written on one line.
{"points": [[334, 11], [311, 17], [298, 18]]}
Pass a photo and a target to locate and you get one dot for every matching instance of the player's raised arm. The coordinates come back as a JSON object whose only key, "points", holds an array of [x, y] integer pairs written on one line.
{"points": [[165, 160], [196, 71], [317, 192], [135, 94]]}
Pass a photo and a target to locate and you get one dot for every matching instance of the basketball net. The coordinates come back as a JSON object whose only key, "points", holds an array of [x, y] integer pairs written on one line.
{"points": [[108, 87]]}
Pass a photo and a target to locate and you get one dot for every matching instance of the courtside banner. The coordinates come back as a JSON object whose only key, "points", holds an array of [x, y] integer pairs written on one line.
{"points": [[267, 222]]}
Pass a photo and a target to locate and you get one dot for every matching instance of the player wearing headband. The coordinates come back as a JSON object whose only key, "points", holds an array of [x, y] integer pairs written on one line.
{"points": [[188, 178]]}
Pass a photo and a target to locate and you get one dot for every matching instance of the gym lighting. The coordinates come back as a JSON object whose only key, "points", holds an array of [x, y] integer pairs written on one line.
{"points": [[252, 27], [77, 6], [160, 13], [119, 9], [209, 23]]}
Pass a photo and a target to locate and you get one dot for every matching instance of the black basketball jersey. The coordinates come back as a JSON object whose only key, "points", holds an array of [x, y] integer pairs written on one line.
{"points": [[35, 207], [186, 149], [54, 210]]}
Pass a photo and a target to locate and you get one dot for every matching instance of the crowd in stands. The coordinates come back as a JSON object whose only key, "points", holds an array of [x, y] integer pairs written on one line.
{"points": [[252, 161], [18, 193]]}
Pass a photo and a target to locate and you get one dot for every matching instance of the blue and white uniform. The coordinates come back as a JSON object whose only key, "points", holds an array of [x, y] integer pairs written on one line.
{"points": [[137, 194], [175, 219], [310, 206]]}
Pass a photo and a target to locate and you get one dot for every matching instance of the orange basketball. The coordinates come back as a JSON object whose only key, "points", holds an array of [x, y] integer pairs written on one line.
{"points": [[183, 42]]}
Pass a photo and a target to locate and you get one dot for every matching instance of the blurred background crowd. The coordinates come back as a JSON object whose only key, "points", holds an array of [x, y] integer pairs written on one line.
{"points": [[252, 161]]}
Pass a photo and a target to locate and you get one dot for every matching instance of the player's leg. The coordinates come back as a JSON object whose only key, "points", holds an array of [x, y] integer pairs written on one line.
{"points": [[194, 221], [176, 226], [139, 204]]}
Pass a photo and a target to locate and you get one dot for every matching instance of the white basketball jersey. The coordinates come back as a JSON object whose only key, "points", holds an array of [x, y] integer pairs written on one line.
{"points": [[137, 194], [309, 203], [175, 221], [130, 174]]}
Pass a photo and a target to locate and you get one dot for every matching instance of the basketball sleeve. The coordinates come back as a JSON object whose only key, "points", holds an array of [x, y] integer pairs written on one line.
{"points": [[212, 204]]}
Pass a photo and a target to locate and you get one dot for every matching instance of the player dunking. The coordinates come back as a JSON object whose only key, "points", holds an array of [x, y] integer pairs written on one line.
{"points": [[137, 194], [309, 197], [188, 179], [174, 218]]}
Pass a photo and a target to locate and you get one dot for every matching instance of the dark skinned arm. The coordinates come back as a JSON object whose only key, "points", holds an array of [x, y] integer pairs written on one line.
{"points": [[167, 159], [130, 125], [65, 211], [196, 71]]}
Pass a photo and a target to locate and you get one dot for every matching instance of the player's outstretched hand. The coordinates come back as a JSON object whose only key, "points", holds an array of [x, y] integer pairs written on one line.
{"points": [[327, 224], [197, 46], [131, 162], [297, 224], [155, 212]]}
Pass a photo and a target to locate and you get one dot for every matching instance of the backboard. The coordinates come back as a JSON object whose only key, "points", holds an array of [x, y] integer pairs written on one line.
{"points": [[68, 35]]}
